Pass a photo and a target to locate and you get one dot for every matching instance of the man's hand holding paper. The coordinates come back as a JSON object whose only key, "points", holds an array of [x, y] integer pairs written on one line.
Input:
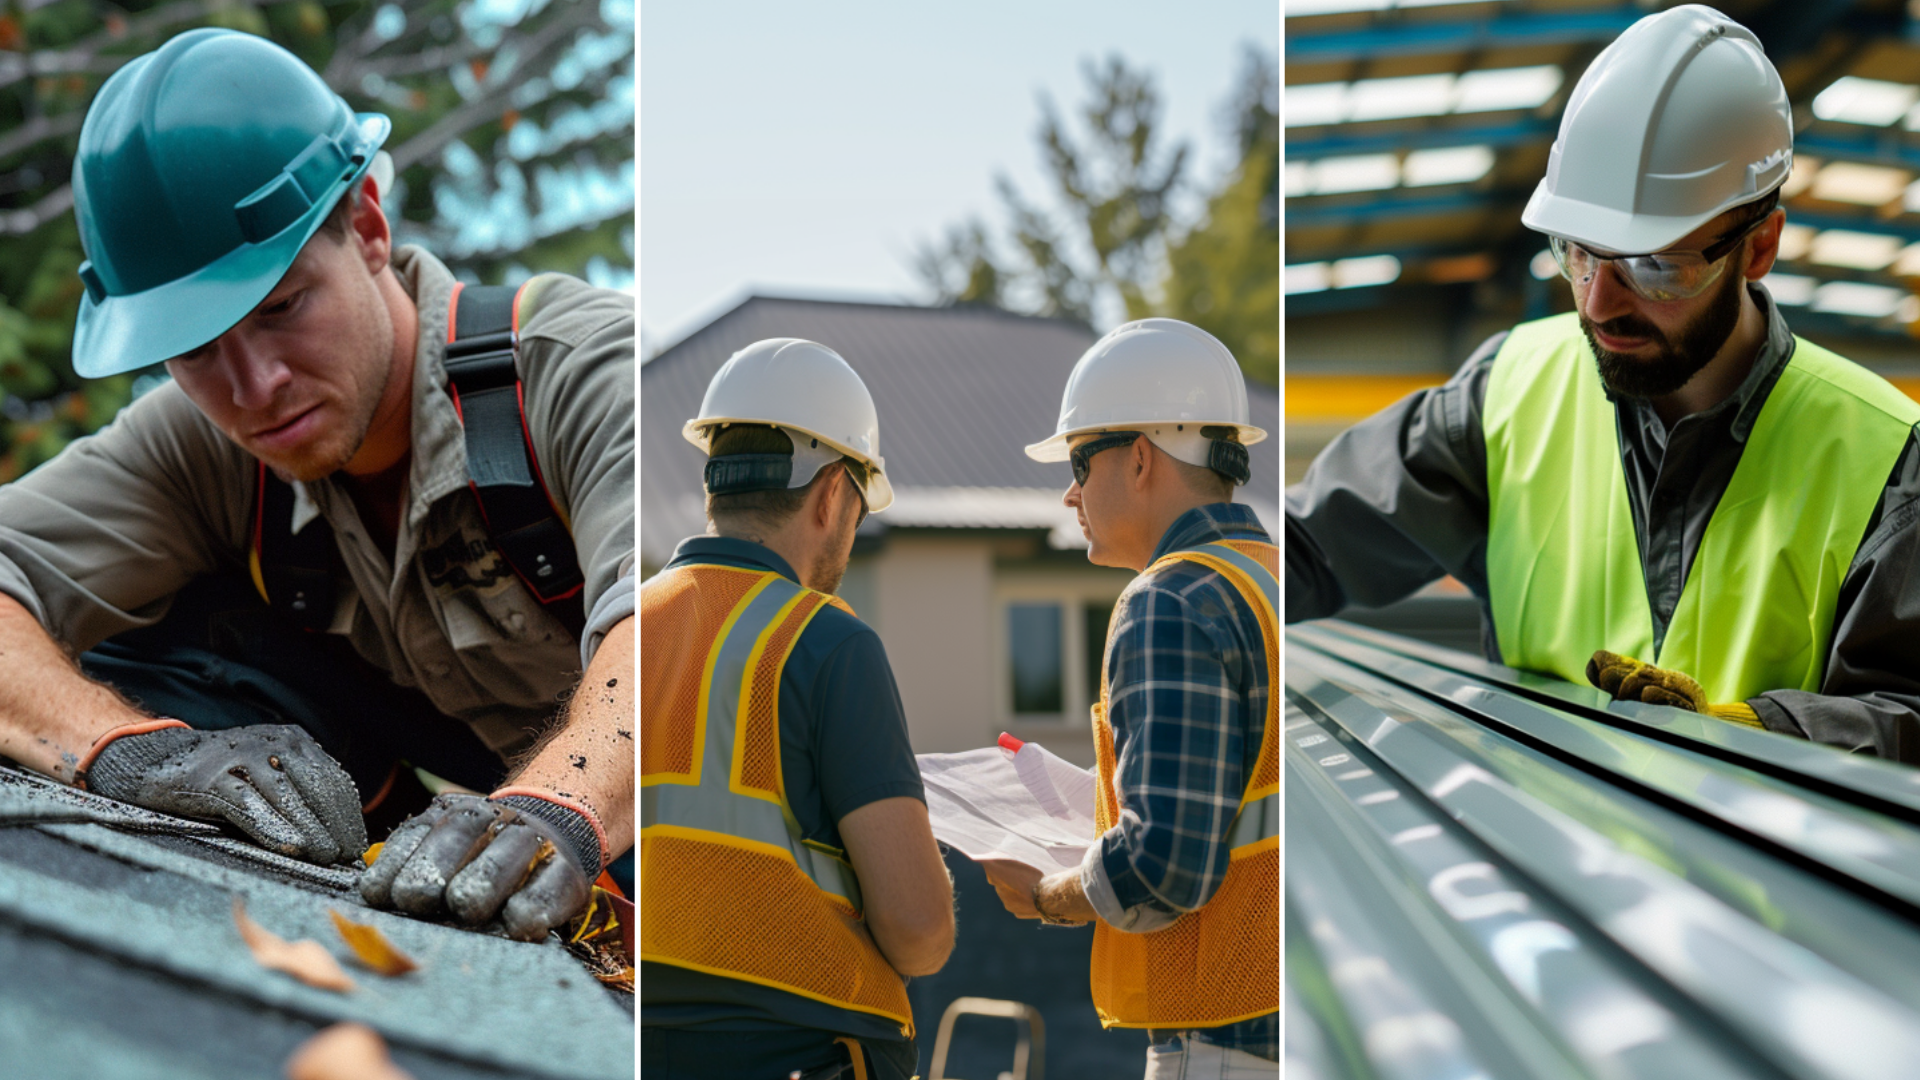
{"points": [[1026, 805]]}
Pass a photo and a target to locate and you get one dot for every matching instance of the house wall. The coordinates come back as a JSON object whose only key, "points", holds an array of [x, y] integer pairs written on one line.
{"points": [[931, 604], [939, 604]]}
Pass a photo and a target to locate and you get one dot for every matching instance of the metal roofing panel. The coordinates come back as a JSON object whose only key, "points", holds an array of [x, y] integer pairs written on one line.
{"points": [[1719, 904]]}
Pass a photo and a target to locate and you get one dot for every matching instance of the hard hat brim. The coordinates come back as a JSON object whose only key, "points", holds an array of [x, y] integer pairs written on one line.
{"points": [[1056, 448], [137, 330], [1610, 230]]}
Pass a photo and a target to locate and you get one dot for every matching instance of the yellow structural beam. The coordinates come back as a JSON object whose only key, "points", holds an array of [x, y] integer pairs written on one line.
{"points": [[1335, 398], [1322, 398]]}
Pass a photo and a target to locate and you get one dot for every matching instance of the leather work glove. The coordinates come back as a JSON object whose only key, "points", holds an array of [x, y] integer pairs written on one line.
{"points": [[272, 781], [1628, 679], [527, 859]]}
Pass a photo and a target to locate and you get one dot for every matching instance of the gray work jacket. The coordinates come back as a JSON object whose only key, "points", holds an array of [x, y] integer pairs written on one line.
{"points": [[98, 540], [1400, 499]]}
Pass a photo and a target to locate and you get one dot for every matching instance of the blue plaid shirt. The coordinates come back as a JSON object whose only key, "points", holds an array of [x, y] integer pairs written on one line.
{"points": [[1187, 697]]}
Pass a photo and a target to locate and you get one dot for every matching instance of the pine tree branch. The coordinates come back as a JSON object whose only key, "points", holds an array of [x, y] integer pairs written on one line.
{"points": [[83, 56], [487, 107], [22, 222], [39, 129]]}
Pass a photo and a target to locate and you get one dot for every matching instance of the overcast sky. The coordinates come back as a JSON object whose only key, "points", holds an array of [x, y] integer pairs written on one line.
{"points": [[807, 149]]}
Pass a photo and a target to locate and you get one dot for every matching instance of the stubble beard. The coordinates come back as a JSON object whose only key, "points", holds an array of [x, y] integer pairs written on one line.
{"points": [[372, 346], [831, 564], [1673, 365]]}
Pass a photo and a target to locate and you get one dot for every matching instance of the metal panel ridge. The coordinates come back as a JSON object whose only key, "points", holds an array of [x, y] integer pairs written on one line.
{"points": [[1877, 851], [1882, 785], [1560, 974], [1762, 957]]}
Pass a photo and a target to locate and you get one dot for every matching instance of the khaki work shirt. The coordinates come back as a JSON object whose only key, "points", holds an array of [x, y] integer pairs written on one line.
{"points": [[98, 540]]}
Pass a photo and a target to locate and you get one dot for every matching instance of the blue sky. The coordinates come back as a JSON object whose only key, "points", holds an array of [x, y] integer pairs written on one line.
{"points": [[807, 149]]}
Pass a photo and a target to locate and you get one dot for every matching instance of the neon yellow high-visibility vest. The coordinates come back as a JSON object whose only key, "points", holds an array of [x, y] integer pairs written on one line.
{"points": [[1756, 611]]}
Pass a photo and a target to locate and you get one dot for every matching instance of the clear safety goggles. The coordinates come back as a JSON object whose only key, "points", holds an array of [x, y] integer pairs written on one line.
{"points": [[1661, 276]]}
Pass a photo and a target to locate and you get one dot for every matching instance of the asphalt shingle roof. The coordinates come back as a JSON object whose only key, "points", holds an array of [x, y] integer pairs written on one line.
{"points": [[121, 959], [959, 391]]}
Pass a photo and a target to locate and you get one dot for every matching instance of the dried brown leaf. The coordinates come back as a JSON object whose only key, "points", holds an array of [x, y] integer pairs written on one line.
{"points": [[622, 980], [306, 960], [371, 947], [344, 1052]]}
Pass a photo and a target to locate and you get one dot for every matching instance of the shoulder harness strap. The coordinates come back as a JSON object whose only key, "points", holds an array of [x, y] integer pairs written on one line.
{"points": [[294, 572], [522, 520]]}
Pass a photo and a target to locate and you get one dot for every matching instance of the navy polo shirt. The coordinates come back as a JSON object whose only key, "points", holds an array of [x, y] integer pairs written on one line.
{"points": [[843, 744]]}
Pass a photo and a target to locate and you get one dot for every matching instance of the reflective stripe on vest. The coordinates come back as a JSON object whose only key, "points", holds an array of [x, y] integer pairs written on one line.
{"points": [[725, 874], [1219, 964], [1756, 611]]}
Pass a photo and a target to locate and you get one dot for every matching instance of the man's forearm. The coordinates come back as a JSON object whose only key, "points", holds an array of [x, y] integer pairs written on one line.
{"points": [[591, 757], [50, 713]]}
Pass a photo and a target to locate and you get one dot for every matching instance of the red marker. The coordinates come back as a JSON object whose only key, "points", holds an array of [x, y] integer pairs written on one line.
{"points": [[1012, 744]]}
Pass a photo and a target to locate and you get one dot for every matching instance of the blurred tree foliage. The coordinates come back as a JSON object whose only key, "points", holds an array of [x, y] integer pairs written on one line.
{"points": [[1114, 239], [1223, 275], [512, 143]]}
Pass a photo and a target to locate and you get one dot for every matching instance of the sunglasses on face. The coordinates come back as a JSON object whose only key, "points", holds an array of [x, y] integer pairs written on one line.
{"points": [[857, 476], [1661, 276], [1082, 455]]}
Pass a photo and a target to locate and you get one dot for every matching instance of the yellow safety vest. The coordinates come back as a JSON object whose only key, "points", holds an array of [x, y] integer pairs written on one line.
{"points": [[727, 884], [1756, 611], [1220, 964]]}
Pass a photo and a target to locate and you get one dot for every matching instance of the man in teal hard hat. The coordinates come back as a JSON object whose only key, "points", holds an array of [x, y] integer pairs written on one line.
{"points": [[376, 521]]}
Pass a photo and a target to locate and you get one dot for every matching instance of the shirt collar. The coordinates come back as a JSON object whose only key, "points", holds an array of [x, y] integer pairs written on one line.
{"points": [[727, 549], [1205, 524]]}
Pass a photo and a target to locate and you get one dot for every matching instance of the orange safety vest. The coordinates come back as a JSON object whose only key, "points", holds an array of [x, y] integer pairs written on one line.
{"points": [[727, 884], [1219, 964]]}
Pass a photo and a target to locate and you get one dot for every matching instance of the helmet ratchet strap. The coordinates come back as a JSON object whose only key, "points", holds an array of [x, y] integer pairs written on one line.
{"points": [[738, 473]]}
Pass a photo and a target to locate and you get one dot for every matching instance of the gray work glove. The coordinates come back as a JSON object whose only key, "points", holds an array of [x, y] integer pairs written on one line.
{"points": [[272, 781], [526, 860]]}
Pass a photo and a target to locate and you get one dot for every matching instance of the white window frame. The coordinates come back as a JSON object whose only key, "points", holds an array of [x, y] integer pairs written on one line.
{"points": [[1072, 595]]}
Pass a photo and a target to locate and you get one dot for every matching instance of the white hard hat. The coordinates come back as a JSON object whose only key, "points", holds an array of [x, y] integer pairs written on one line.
{"points": [[1162, 377], [806, 389], [1677, 121]]}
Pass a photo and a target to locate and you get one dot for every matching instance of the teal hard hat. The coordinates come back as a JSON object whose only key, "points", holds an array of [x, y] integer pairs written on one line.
{"points": [[203, 168]]}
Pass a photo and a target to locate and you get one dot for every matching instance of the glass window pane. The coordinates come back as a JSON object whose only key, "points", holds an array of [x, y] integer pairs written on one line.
{"points": [[1033, 641], [1097, 616]]}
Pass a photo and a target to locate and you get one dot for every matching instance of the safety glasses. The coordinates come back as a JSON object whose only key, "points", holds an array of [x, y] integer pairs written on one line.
{"points": [[1082, 455], [1661, 276], [858, 476]]}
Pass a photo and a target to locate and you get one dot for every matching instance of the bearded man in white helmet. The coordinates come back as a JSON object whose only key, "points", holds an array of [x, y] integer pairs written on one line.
{"points": [[788, 874], [1183, 883], [1664, 492]]}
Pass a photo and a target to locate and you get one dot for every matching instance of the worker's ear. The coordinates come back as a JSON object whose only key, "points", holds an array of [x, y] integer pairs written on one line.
{"points": [[1764, 246], [370, 229], [823, 499], [1140, 463]]}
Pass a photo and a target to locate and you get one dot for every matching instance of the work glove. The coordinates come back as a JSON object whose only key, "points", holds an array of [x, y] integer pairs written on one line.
{"points": [[526, 859], [1628, 679], [272, 781]]}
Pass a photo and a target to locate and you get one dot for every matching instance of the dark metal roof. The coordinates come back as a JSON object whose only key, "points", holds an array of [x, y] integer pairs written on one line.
{"points": [[121, 959], [1499, 874], [960, 391]]}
